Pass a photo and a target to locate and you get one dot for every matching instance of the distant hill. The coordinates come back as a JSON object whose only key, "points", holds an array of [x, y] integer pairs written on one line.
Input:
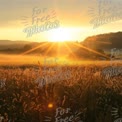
{"points": [[38, 48], [5, 44], [104, 41], [9, 42], [101, 43]]}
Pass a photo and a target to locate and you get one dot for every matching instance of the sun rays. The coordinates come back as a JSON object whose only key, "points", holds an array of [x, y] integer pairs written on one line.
{"points": [[62, 48]]}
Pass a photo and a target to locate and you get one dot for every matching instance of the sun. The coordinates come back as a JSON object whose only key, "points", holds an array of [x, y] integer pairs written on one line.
{"points": [[59, 35]]}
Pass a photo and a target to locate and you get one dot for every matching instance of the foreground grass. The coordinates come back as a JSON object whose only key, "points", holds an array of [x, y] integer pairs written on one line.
{"points": [[85, 90]]}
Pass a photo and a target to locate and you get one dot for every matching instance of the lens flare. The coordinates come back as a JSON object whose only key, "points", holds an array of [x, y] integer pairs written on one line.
{"points": [[50, 105]]}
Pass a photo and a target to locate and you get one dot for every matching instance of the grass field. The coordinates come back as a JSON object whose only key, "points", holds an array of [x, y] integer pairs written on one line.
{"points": [[83, 89]]}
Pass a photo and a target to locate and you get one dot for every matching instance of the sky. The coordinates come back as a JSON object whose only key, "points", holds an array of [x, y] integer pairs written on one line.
{"points": [[58, 20]]}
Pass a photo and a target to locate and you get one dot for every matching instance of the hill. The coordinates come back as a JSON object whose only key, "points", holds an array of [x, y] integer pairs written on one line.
{"points": [[104, 41], [94, 45]]}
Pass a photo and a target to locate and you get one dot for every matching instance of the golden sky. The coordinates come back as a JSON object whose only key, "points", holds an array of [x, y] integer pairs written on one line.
{"points": [[73, 17]]}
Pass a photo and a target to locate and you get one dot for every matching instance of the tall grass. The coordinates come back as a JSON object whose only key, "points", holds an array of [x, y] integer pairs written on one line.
{"points": [[86, 91]]}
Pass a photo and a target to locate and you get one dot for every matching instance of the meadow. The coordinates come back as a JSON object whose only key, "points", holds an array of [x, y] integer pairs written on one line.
{"points": [[86, 91]]}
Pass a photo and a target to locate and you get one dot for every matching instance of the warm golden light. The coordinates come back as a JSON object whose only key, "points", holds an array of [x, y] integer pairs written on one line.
{"points": [[59, 35], [50, 105]]}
